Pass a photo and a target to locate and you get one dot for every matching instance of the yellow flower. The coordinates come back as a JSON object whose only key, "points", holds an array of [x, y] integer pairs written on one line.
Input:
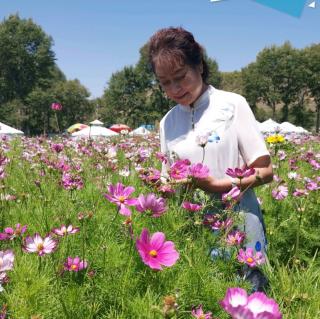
{"points": [[274, 139]]}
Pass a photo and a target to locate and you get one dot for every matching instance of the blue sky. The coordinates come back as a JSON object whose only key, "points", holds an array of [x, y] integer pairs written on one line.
{"points": [[93, 39]]}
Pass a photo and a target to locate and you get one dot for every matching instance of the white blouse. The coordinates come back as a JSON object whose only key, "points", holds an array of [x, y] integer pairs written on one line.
{"points": [[234, 137]]}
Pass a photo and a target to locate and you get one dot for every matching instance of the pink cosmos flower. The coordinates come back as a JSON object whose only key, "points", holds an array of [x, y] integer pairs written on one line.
{"points": [[162, 157], [222, 224], [240, 173], [11, 233], [56, 107], [57, 147], [235, 238], [257, 306], [300, 192], [166, 189], [191, 207], [248, 257], [120, 195], [150, 175], [39, 245], [312, 186], [157, 206], [282, 155], [232, 195], [280, 193], [180, 169], [155, 251], [198, 170], [202, 139], [75, 264], [199, 313], [315, 165], [6, 260], [71, 182], [64, 231]]}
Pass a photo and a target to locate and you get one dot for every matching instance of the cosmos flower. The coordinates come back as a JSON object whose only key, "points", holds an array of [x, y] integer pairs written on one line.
{"points": [[191, 207], [6, 260], [11, 233], [198, 170], [155, 251], [280, 193], [64, 231], [149, 202], [56, 107], [120, 195], [256, 306], [235, 238], [240, 173], [39, 245], [248, 257], [199, 313], [75, 264]]}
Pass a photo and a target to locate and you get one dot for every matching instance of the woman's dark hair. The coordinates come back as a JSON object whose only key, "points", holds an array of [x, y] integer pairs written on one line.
{"points": [[176, 46]]}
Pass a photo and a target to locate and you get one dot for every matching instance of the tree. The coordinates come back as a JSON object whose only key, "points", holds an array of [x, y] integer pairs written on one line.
{"points": [[283, 76], [25, 57], [312, 63]]}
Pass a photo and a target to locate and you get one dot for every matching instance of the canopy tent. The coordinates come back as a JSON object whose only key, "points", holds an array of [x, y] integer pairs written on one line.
{"points": [[269, 126], [94, 130], [8, 130], [118, 128], [76, 127], [140, 131], [287, 127]]}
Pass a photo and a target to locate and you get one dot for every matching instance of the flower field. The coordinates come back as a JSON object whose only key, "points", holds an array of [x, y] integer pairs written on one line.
{"points": [[90, 230]]}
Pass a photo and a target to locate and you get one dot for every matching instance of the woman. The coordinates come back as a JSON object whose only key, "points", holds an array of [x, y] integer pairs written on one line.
{"points": [[224, 118]]}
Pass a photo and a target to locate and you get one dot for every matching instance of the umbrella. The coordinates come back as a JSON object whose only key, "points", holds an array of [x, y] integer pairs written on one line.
{"points": [[76, 127], [120, 127]]}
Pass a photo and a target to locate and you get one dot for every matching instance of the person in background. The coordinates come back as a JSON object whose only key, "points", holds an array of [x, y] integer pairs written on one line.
{"points": [[225, 119]]}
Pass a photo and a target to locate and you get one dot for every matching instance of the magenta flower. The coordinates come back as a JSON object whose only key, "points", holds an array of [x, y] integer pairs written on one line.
{"points": [[248, 257], [75, 264], [120, 195], [199, 313], [6, 260], [71, 182], [232, 195], [235, 238], [157, 206], [162, 157], [191, 207], [198, 170], [56, 107], [300, 192], [57, 147], [155, 251], [64, 231], [11, 233], [280, 193], [179, 169], [257, 306], [150, 175], [312, 186], [240, 173], [39, 245]]}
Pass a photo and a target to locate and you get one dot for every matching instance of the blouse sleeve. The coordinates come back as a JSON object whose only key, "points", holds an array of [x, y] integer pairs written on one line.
{"points": [[250, 140]]}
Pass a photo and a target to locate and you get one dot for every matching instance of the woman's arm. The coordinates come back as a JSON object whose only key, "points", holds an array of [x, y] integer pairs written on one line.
{"points": [[263, 175]]}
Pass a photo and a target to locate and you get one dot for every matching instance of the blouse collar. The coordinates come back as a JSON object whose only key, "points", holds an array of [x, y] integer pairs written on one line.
{"points": [[202, 100]]}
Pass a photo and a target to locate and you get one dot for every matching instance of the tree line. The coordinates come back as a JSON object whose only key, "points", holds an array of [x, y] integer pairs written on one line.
{"points": [[284, 79]]}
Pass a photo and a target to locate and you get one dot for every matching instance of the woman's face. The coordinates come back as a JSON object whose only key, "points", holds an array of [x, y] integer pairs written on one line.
{"points": [[181, 83]]}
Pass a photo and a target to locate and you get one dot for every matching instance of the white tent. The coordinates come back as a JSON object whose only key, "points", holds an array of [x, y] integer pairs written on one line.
{"points": [[287, 127], [269, 126], [140, 131], [94, 130], [8, 130]]}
